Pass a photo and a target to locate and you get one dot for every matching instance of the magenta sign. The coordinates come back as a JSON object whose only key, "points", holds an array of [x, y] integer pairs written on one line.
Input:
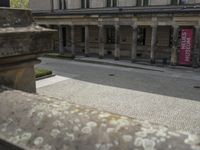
{"points": [[185, 53]]}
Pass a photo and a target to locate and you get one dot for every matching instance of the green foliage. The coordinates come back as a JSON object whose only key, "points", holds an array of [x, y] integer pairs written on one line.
{"points": [[39, 72], [19, 3]]}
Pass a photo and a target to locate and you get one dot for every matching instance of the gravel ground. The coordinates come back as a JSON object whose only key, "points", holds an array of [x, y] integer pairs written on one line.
{"points": [[167, 98]]}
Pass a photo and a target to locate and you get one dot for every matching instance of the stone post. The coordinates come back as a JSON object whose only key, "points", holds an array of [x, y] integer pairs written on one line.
{"points": [[61, 47], [134, 43], [72, 42], [174, 45], [86, 40], [21, 44], [153, 43], [117, 42], [101, 41]]}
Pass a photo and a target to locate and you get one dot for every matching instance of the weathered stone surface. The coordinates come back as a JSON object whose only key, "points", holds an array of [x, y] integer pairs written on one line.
{"points": [[15, 18], [19, 35], [21, 42], [41, 123], [21, 78]]}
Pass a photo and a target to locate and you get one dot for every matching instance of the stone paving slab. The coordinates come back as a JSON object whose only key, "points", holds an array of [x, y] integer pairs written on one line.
{"points": [[50, 81], [177, 113]]}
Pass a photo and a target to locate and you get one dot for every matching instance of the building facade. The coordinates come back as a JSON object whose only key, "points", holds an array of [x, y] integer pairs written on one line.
{"points": [[164, 31]]}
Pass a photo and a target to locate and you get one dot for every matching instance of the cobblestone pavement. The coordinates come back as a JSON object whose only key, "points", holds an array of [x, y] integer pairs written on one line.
{"points": [[168, 98]]}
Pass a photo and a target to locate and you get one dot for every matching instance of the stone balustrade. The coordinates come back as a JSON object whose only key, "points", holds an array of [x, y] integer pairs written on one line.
{"points": [[41, 123]]}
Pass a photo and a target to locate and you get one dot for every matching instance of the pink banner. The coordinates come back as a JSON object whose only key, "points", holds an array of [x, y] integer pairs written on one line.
{"points": [[185, 54]]}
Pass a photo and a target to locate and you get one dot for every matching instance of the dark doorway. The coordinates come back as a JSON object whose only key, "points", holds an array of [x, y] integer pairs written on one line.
{"points": [[110, 35], [64, 36]]}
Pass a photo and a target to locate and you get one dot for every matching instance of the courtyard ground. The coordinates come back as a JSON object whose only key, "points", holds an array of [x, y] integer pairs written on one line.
{"points": [[166, 97]]}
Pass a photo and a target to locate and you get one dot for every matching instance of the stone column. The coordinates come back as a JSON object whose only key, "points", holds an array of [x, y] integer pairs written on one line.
{"points": [[174, 49], [117, 43], [72, 42], [101, 41], [61, 48], [86, 40], [134, 43], [153, 43], [195, 60]]}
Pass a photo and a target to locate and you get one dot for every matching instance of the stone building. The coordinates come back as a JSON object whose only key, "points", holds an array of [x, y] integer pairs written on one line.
{"points": [[164, 31]]}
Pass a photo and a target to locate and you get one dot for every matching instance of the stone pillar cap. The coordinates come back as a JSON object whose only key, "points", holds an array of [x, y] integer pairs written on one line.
{"points": [[19, 34]]}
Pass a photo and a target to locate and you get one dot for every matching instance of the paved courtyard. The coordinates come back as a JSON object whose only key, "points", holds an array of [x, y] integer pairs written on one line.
{"points": [[167, 97]]}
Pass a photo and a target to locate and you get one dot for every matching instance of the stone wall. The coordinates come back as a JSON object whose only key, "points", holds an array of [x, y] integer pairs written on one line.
{"points": [[41, 4]]}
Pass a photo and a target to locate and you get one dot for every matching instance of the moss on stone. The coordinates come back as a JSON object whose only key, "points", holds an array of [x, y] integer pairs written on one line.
{"points": [[39, 72]]}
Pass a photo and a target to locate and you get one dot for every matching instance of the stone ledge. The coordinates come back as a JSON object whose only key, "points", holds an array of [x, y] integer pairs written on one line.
{"points": [[19, 34], [15, 17], [41, 123]]}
